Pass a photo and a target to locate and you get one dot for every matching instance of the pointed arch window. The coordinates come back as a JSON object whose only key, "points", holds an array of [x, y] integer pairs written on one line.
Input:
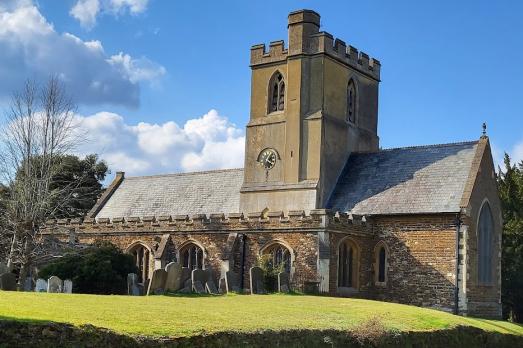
{"points": [[279, 256], [191, 256], [381, 262], [351, 102], [485, 241], [347, 265], [142, 259], [277, 93]]}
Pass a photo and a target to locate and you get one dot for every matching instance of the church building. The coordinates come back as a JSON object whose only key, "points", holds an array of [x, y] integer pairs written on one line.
{"points": [[418, 225]]}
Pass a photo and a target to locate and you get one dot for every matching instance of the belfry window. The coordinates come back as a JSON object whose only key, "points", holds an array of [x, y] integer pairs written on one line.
{"points": [[485, 241], [347, 265], [280, 256], [277, 93], [351, 102], [192, 256]]}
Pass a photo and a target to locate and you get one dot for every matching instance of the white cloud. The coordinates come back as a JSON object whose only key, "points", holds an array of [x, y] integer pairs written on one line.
{"points": [[208, 142], [86, 11], [31, 48], [517, 152]]}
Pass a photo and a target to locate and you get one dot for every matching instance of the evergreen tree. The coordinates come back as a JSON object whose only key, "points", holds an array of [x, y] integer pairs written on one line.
{"points": [[510, 183]]}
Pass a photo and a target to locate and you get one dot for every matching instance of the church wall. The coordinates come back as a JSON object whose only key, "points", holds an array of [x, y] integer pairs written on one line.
{"points": [[482, 299]]}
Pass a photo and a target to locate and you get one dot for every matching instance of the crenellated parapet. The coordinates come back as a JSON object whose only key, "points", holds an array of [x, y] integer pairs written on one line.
{"points": [[273, 220], [306, 39]]}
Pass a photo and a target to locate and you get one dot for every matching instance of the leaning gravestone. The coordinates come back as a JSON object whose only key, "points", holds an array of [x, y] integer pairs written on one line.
{"points": [[157, 283], [211, 288], [284, 283], [198, 287], [232, 281], [200, 276], [132, 285], [41, 285], [68, 286], [186, 275], [8, 282], [257, 280], [54, 285], [174, 276]]}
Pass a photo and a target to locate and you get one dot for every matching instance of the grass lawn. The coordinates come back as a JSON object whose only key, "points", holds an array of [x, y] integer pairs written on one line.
{"points": [[176, 316]]}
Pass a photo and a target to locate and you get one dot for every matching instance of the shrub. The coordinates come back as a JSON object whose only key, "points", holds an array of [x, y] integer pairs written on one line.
{"points": [[270, 272], [372, 331], [100, 269]]}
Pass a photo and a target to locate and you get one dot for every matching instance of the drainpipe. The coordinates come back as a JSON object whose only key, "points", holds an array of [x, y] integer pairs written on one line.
{"points": [[242, 266], [456, 288]]}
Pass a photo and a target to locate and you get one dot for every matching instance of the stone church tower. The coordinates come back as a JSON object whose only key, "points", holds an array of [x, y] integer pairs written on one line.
{"points": [[313, 103]]}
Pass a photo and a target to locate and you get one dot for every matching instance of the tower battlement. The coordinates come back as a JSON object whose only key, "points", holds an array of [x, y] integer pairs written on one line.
{"points": [[306, 39]]}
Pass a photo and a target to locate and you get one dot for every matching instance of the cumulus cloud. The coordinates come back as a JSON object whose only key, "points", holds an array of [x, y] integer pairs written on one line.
{"points": [[517, 152], [208, 142], [31, 48], [86, 11]]}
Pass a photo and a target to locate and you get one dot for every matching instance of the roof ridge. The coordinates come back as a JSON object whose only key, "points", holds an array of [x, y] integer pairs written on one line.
{"points": [[184, 173], [431, 145]]}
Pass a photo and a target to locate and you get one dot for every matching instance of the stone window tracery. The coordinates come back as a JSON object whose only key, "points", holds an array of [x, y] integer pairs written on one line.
{"points": [[142, 258], [277, 93], [191, 256], [347, 265], [485, 241], [280, 255]]}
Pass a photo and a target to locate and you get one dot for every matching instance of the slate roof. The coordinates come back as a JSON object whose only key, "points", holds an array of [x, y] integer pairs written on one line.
{"points": [[208, 192], [412, 180]]}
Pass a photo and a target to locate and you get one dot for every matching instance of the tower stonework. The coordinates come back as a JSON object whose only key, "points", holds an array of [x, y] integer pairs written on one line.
{"points": [[325, 108]]}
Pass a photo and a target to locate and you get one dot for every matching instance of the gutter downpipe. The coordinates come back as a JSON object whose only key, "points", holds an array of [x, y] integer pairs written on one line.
{"points": [[456, 287]]}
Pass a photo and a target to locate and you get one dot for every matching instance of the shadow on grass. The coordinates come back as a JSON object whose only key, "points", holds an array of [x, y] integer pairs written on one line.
{"points": [[195, 295]]}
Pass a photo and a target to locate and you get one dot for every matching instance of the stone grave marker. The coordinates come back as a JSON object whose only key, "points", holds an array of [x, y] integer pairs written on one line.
{"points": [[8, 282], [54, 285], [232, 281], [284, 283], [68, 286], [157, 283], [132, 285], [186, 275], [198, 287], [28, 284], [257, 280], [211, 288], [174, 276], [41, 285]]}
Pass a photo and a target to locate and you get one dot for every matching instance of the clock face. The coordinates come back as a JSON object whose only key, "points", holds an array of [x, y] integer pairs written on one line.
{"points": [[268, 158]]}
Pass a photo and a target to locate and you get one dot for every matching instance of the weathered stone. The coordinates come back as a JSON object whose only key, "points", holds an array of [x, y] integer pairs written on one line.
{"points": [[41, 285], [186, 275], [132, 285], [54, 285], [174, 276], [232, 282], [8, 282], [284, 283], [157, 283], [211, 288], [200, 275], [68, 286], [257, 280], [198, 287], [28, 284]]}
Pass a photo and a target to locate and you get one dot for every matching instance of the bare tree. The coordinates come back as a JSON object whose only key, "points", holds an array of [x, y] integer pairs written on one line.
{"points": [[39, 128]]}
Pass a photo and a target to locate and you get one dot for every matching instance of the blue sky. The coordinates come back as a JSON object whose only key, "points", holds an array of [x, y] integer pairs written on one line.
{"points": [[175, 70]]}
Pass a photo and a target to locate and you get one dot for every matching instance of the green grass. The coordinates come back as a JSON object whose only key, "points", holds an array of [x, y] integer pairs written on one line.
{"points": [[176, 316]]}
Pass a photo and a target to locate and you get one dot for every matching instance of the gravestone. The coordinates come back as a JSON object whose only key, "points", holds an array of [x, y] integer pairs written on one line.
{"points": [[257, 280], [132, 285], [54, 285], [186, 274], [174, 276], [3, 268], [68, 286], [28, 284], [157, 283], [232, 281], [41, 285], [211, 288], [284, 282], [8, 282], [198, 287]]}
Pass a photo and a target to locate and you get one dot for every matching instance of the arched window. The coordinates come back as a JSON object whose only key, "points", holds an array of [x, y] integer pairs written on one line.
{"points": [[191, 256], [279, 255], [381, 254], [142, 258], [351, 102], [485, 241], [277, 93], [347, 265]]}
